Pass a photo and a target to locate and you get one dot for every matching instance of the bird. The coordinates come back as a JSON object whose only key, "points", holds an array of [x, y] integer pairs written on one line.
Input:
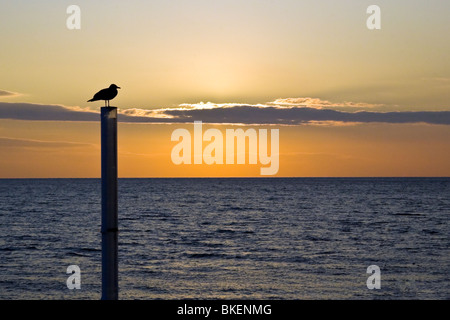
{"points": [[106, 94]]}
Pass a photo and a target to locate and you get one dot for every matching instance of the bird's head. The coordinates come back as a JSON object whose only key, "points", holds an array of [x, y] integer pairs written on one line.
{"points": [[113, 86]]}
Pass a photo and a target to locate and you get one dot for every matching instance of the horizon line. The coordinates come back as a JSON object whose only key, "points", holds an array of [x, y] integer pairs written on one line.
{"points": [[244, 177]]}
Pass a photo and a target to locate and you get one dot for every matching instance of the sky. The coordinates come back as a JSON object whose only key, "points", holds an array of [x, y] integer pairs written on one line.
{"points": [[347, 101]]}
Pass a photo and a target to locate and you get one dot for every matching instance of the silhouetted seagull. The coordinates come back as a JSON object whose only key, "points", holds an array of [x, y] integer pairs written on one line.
{"points": [[106, 94]]}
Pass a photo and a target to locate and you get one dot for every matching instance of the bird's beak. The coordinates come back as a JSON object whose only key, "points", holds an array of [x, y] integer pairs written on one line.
{"points": [[118, 87]]}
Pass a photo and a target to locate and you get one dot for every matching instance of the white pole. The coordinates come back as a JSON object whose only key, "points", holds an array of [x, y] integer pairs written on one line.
{"points": [[110, 265]]}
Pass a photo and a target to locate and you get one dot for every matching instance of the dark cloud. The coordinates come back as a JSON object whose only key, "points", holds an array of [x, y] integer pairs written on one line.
{"points": [[4, 93], [247, 114], [40, 112], [233, 114]]}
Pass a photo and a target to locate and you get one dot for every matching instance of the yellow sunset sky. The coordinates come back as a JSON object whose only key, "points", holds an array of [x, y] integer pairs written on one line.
{"points": [[348, 101]]}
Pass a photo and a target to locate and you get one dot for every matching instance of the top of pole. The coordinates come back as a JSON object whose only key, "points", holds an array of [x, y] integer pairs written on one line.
{"points": [[109, 112]]}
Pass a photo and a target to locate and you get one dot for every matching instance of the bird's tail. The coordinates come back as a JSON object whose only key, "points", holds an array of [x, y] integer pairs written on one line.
{"points": [[90, 100]]}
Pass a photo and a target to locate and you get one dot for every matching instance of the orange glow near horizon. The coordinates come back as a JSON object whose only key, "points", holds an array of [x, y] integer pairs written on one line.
{"points": [[305, 151]]}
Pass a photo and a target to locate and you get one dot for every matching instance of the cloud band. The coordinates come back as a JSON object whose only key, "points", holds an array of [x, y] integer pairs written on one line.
{"points": [[230, 114]]}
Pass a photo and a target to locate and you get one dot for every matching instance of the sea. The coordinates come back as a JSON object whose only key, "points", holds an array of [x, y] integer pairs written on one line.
{"points": [[230, 238]]}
